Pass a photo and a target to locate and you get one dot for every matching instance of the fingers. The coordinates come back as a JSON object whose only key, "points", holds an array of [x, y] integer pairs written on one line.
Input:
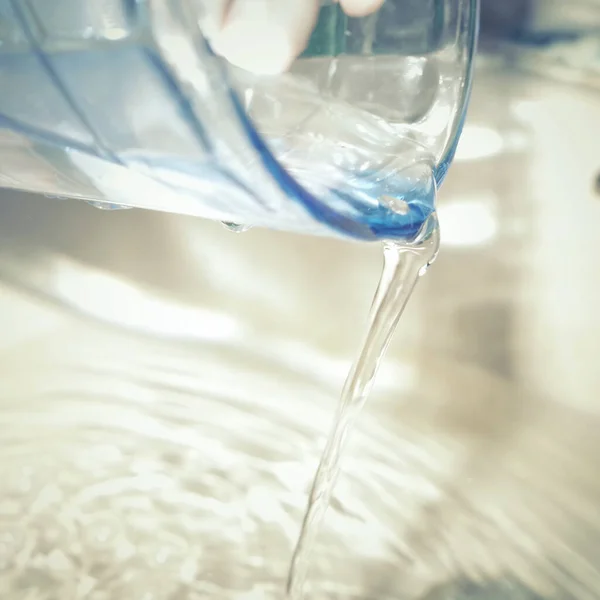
{"points": [[360, 8], [265, 36], [213, 17]]}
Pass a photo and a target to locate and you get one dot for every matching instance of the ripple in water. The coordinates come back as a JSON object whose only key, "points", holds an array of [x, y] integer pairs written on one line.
{"points": [[150, 476]]}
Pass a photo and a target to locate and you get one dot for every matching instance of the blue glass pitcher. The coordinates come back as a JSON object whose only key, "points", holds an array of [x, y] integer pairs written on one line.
{"points": [[124, 103]]}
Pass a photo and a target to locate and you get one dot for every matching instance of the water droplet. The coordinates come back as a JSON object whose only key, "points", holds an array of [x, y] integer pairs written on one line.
{"points": [[107, 205], [235, 228], [395, 204]]}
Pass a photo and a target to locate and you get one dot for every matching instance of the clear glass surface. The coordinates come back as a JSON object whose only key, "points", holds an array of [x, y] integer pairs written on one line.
{"points": [[125, 104]]}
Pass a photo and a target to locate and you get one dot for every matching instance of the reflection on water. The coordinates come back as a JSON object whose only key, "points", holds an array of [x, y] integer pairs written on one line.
{"points": [[140, 469], [133, 470]]}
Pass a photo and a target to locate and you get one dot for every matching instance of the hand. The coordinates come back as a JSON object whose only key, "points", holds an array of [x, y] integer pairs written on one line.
{"points": [[265, 36]]}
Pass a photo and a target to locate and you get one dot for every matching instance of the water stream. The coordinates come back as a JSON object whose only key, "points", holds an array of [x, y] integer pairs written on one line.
{"points": [[403, 264]]}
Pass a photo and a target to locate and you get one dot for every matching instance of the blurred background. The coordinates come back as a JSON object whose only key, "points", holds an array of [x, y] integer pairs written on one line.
{"points": [[165, 384]]}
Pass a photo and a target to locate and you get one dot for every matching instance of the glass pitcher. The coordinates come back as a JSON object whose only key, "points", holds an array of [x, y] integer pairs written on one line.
{"points": [[124, 103]]}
